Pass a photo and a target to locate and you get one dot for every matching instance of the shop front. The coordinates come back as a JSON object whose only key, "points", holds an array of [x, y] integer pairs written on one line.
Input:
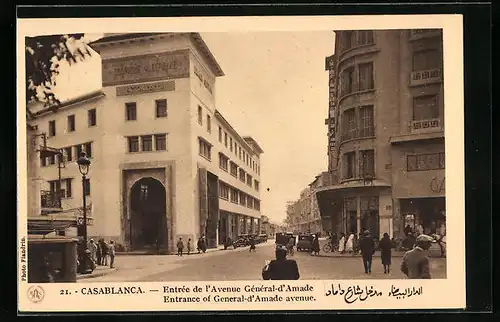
{"points": [[424, 215], [356, 207]]}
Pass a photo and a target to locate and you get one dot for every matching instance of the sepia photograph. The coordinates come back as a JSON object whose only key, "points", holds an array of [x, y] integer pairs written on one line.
{"points": [[252, 155]]}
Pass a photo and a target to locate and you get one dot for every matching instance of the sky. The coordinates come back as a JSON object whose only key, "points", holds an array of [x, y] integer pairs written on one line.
{"points": [[275, 89]]}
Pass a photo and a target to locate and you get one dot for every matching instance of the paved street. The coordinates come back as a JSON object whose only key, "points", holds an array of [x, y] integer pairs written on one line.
{"points": [[241, 265]]}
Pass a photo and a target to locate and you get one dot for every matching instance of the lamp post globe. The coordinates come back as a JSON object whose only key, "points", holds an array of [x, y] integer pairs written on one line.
{"points": [[83, 164], [84, 167]]}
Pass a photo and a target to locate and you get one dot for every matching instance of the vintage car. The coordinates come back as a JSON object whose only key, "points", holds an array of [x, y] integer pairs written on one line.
{"points": [[242, 241], [262, 238], [283, 238], [305, 242]]}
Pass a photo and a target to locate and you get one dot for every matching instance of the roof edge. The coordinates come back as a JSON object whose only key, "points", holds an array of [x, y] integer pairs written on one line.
{"points": [[77, 100]]}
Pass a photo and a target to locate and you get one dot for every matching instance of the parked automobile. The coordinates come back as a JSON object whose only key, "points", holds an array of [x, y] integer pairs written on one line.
{"points": [[263, 238], [305, 242], [242, 241]]}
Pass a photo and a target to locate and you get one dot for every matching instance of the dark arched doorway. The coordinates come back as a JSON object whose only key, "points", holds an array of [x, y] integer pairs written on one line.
{"points": [[148, 222]]}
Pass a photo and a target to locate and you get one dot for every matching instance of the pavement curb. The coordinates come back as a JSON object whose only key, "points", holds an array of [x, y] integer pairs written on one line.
{"points": [[96, 274]]}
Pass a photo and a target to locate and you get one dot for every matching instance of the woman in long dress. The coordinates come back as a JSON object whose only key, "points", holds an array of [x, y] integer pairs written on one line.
{"points": [[342, 243], [349, 245]]}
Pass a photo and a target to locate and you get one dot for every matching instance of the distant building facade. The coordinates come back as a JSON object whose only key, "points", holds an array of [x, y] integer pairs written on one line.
{"points": [[386, 147], [165, 162], [303, 214]]}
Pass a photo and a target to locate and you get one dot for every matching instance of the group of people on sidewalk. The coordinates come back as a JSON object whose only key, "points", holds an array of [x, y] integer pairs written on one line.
{"points": [[100, 252], [201, 246], [415, 263]]}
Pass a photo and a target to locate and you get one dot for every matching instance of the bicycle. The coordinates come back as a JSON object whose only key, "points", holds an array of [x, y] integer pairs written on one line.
{"points": [[290, 251], [328, 247]]}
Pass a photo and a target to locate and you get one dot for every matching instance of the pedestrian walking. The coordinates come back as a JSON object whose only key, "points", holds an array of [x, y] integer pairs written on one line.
{"points": [[93, 250], [180, 246], [252, 244], [415, 264], [99, 253], [342, 242], [203, 244], [367, 247], [349, 245], [112, 253], [385, 246], [189, 246], [104, 247], [289, 246], [315, 245], [281, 268]]}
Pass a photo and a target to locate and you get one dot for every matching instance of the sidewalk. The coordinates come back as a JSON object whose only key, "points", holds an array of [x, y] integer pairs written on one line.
{"points": [[99, 271], [434, 252], [130, 266]]}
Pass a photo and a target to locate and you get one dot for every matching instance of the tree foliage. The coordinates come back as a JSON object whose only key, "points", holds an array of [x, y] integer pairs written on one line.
{"points": [[43, 57]]}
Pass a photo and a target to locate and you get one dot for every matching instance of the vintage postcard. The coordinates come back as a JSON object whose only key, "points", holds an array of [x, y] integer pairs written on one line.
{"points": [[240, 163]]}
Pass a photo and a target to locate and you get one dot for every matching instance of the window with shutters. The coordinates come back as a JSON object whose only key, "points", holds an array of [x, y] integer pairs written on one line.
{"points": [[68, 188], [349, 124], [200, 115], [424, 162], [365, 37], [71, 123], [88, 149], [92, 117], [161, 108], [133, 144], [68, 154], [223, 162], [349, 165], [347, 81], [242, 175], [234, 169], [147, 143], [365, 76], [367, 163], [52, 128], [131, 111], [243, 198], [205, 149], [366, 124], [425, 108], [223, 191], [426, 59], [234, 195], [249, 180], [161, 142]]}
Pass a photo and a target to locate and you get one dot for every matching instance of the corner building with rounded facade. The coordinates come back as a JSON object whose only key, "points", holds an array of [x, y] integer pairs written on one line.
{"points": [[165, 162], [386, 146]]}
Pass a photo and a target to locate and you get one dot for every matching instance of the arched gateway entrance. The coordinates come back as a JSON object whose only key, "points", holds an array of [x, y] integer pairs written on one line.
{"points": [[148, 221]]}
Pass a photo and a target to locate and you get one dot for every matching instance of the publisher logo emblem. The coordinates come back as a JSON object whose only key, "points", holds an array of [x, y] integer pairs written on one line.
{"points": [[36, 294]]}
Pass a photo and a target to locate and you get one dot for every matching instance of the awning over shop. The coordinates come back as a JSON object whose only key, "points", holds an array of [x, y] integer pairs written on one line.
{"points": [[355, 184], [46, 226], [330, 197]]}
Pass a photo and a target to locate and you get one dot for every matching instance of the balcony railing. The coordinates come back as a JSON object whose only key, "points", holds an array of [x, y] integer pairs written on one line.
{"points": [[427, 76], [425, 125], [423, 33], [358, 133], [50, 199]]}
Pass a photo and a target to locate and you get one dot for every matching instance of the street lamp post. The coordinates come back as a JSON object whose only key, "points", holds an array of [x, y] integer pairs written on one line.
{"points": [[84, 165]]}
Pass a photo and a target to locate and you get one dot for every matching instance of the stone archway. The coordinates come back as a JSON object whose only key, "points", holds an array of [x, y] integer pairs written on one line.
{"points": [[148, 220]]}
